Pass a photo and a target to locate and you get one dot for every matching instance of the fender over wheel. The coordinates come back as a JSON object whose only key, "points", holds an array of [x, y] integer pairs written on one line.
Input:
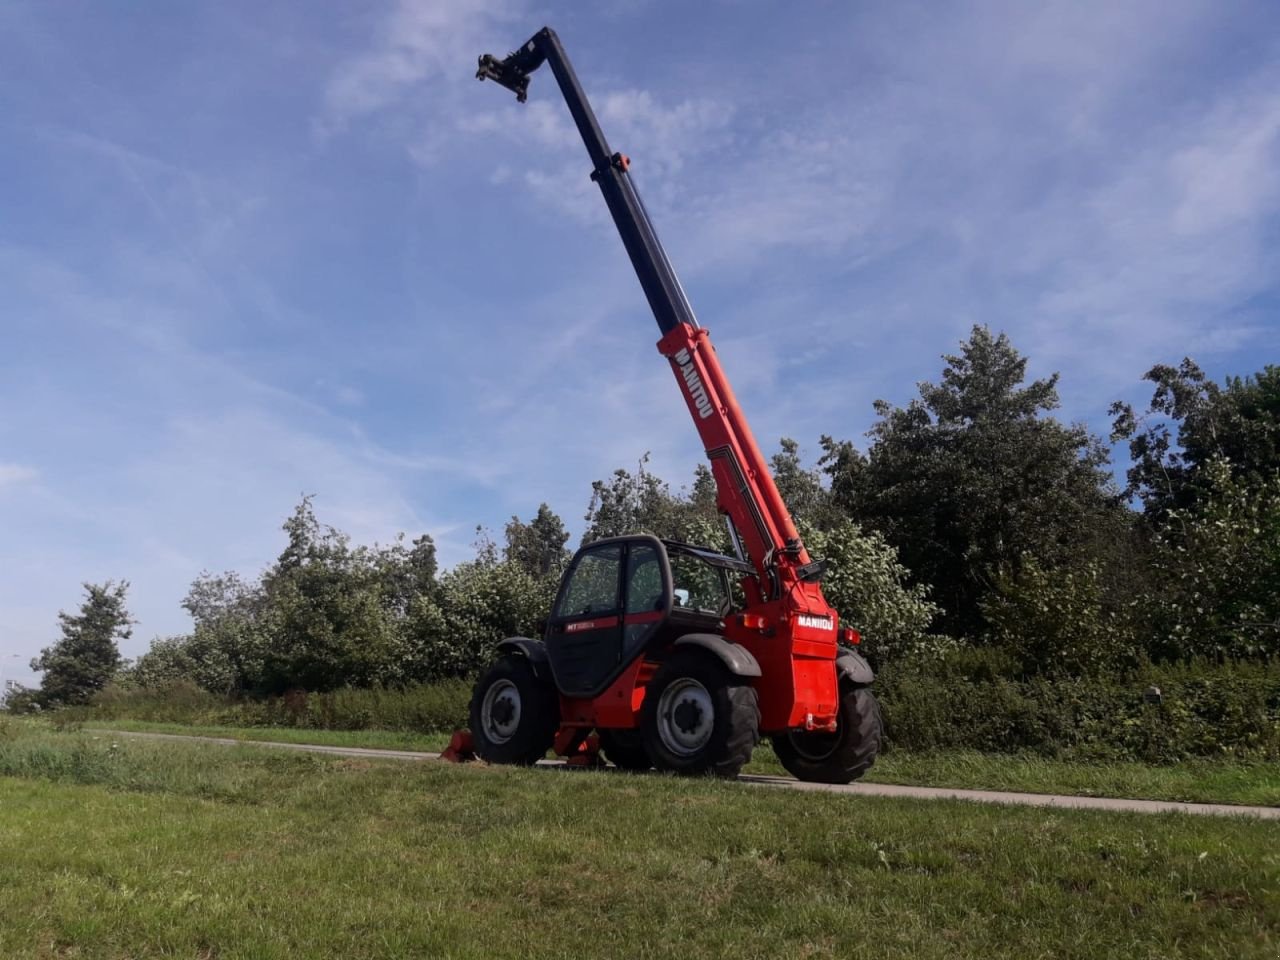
{"points": [[514, 715], [839, 757], [698, 718]]}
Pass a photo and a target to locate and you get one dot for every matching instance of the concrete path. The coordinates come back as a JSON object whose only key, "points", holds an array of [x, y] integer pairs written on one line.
{"points": [[858, 789]]}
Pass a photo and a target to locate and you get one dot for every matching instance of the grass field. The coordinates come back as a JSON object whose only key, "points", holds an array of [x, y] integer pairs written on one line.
{"points": [[377, 739], [128, 849], [1203, 781]]}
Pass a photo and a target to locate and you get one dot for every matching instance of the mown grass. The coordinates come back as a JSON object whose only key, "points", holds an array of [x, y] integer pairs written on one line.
{"points": [[1202, 781], [145, 850]]}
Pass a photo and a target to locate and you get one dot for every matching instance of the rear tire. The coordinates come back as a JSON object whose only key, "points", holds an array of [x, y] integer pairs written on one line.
{"points": [[839, 757], [698, 718], [514, 715], [624, 749]]}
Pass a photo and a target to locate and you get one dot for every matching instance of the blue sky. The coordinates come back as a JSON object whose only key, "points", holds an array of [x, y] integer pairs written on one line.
{"points": [[255, 250]]}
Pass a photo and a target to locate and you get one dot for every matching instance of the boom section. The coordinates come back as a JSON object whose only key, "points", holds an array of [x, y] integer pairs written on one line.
{"points": [[608, 169], [746, 491]]}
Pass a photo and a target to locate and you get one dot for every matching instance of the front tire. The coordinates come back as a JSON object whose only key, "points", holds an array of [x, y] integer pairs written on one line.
{"points": [[839, 757], [514, 715], [698, 718]]}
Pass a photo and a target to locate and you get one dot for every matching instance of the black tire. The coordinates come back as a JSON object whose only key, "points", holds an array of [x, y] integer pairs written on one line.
{"points": [[624, 749], [839, 757], [698, 718], [514, 715]]}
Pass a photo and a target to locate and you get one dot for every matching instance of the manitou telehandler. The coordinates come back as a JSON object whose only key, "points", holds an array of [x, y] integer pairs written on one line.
{"points": [[646, 644]]}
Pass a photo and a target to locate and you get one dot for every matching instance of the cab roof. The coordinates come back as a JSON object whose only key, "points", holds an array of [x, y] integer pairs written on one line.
{"points": [[709, 556], [703, 553]]}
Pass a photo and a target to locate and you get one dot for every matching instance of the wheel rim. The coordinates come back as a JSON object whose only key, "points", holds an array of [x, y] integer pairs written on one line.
{"points": [[500, 711], [686, 717]]}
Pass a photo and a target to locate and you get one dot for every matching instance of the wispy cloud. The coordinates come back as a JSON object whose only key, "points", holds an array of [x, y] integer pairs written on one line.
{"points": [[13, 474], [1229, 174], [1041, 170], [417, 42]]}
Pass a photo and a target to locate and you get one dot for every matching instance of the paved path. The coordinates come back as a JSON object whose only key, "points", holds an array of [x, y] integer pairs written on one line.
{"points": [[859, 789]]}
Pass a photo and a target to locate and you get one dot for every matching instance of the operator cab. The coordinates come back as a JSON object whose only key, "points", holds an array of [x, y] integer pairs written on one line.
{"points": [[622, 596]]}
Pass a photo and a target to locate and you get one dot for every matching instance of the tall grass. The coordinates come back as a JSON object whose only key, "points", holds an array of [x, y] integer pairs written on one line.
{"points": [[423, 708], [30, 750]]}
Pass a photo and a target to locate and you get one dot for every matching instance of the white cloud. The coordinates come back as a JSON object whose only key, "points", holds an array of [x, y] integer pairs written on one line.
{"points": [[1231, 176], [665, 136], [418, 41], [14, 474], [1045, 169], [1153, 261]]}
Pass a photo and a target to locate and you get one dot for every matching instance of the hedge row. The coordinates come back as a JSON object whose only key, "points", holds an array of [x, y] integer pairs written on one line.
{"points": [[423, 708], [1203, 711]]}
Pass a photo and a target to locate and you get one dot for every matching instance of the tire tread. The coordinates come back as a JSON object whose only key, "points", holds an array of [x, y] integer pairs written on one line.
{"points": [[853, 756]]}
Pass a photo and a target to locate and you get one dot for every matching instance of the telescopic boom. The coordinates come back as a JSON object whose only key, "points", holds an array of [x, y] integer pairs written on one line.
{"points": [[746, 491]]}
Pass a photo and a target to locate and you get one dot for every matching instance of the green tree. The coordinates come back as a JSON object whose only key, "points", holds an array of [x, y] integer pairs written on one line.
{"points": [[803, 491], [1063, 621], [641, 502], [80, 663], [406, 573], [538, 547], [874, 594], [329, 615], [166, 662], [846, 469], [225, 651], [1217, 570], [974, 475], [326, 614], [1192, 422], [482, 601]]}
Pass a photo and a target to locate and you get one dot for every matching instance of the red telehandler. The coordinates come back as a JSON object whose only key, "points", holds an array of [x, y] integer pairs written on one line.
{"points": [[646, 644]]}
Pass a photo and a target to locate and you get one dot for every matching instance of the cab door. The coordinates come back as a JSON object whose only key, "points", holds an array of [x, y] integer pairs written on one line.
{"points": [[584, 633], [646, 595]]}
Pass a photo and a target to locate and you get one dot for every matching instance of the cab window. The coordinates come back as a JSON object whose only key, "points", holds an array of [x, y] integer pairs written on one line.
{"points": [[698, 586], [593, 585], [644, 579]]}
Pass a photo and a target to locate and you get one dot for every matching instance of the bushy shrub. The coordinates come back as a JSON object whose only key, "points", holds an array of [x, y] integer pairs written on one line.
{"points": [[480, 603], [1058, 622], [873, 593], [425, 708], [968, 700], [1204, 710], [1217, 571], [171, 701], [25, 700]]}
